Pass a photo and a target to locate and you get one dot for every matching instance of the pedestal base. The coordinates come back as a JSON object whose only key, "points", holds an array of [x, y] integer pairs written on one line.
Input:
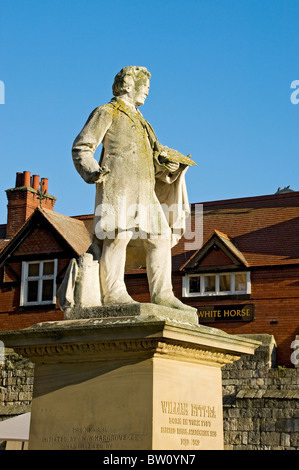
{"points": [[135, 311], [126, 384]]}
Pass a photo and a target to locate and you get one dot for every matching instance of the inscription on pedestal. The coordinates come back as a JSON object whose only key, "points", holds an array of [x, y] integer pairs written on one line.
{"points": [[88, 438], [189, 423]]}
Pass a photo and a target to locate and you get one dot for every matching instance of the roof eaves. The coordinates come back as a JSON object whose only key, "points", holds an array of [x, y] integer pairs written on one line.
{"points": [[17, 239], [52, 219], [19, 236], [266, 197]]}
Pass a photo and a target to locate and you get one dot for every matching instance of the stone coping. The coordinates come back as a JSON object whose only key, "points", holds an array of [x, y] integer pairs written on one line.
{"points": [[270, 394]]}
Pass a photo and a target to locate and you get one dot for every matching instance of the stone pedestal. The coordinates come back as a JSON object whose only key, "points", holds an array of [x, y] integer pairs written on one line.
{"points": [[127, 382]]}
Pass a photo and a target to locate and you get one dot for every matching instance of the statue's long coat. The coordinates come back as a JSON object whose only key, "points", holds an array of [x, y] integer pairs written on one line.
{"points": [[131, 194]]}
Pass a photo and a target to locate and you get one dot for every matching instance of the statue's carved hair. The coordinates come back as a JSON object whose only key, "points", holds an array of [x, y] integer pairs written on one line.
{"points": [[126, 74]]}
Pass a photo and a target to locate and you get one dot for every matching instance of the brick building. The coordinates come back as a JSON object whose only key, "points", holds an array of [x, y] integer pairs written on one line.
{"points": [[35, 248], [243, 278]]}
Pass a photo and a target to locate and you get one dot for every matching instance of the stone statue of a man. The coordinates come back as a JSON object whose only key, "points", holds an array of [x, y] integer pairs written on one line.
{"points": [[136, 183]]}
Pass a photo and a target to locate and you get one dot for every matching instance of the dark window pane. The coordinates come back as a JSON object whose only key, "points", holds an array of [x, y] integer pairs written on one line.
{"points": [[33, 269], [47, 293], [32, 291], [240, 282], [224, 283], [194, 284], [209, 283], [48, 267]]}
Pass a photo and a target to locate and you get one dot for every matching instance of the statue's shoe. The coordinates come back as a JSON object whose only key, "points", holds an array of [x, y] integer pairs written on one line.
{"points": [[172, 302], [119, 300]]}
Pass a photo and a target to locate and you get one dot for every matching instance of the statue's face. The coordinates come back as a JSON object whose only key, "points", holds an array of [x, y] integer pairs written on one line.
{"points": [[140, 91]]}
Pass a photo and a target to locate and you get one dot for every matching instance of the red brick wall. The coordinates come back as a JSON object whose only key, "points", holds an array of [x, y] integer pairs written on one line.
{"points": [[137, 287], [275, 296], [12, 316], [17, 321], [21, 204], [215, 258], [39, 241]]}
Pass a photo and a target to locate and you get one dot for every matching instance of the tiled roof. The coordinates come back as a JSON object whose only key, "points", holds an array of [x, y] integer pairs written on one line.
{"points": [[3, 244], [86, 219], [71, 229], [264, 229], [3, 241], [230, 245]]}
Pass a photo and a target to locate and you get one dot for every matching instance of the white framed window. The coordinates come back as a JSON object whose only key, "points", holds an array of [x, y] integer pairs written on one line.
{"points": [[38, 285], [210, 284]]}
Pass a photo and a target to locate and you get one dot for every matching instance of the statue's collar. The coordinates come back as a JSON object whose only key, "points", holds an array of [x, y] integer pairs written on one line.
{"points": [[121, 105], [135, 116]]}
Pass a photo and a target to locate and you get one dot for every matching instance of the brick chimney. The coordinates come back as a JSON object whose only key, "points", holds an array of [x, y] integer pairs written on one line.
{"points": [[24, 198]]}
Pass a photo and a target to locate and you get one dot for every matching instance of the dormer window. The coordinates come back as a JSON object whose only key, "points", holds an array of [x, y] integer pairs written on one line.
{"points": [[218, 268], [38, 285], [231, 283]]}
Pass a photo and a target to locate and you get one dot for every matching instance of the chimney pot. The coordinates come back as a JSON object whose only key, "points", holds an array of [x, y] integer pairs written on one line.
{"points": [[19, 179], [35, 182], [27, 178], [44, 182]]}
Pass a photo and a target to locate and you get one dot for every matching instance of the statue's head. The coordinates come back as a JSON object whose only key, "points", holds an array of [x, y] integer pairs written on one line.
{"points": [[132, 79]]}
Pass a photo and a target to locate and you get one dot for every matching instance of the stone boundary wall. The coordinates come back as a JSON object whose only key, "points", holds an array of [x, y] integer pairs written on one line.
{"points": [[16, 385], [260, 400]]}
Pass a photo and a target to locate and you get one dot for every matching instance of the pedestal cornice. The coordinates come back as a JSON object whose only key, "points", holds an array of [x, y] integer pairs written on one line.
{"points": [[124, 336]]}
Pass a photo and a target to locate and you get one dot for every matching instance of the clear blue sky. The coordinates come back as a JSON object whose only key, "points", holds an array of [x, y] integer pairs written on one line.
{"points": [[220, 88]]}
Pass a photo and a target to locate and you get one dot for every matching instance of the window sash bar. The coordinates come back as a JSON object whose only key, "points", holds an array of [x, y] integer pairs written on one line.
{"points": [[26, 278], [186, 285]]}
